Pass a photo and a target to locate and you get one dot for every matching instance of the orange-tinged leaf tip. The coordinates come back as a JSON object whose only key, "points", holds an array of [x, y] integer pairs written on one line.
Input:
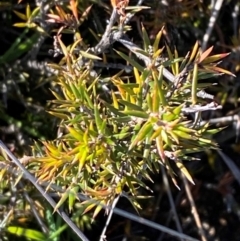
{"points": [[205, 54]]}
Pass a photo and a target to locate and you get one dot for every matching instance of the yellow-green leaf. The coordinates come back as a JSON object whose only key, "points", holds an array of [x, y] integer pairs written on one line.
{"points": [[156, 133], [20, 25], [77, 134], [53, 149], [157, 40], [20, 15], [35, 12], [142, 134], [194, 52], [174, 136], [135, 113], [28, 11], [214, 58], [131, 61], [146, 40], [165, 138], [98, 208], [183, 128], [89, 56], [72, 197], [27, 233], [184, 171], [194, 84], [63, 47], [84, 152], [73, 46], [59, 115], [63, 198], [170, 55], [98, 119], [115, 101], [159, 143], [178, 110], [138, 81], [184, 135], [131, 106], [89, 207]]}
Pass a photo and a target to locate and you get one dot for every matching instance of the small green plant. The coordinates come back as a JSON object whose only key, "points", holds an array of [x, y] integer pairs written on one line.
{"points": [[110, 145], [116, 130]]}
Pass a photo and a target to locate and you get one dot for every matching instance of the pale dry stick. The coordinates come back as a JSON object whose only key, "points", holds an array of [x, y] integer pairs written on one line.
{"points": [[235, 16], [222, 120], [216, 9], [170, 198], [113, 205], [199, 108], [233, 119], [33, 180], [110, 37], [4, 221], [194, 209], [107, 38], [131, 15], [103, 234]]}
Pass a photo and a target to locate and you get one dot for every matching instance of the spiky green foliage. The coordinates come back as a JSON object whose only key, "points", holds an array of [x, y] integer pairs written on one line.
{"points": [[112, 139], [111, 145]]}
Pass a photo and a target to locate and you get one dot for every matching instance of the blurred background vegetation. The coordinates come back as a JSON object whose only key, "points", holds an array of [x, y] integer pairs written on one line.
{"points": [[25, 83]]}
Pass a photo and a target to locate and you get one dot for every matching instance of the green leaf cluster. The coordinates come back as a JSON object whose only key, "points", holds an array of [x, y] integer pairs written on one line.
{"points": [[109, 146]]}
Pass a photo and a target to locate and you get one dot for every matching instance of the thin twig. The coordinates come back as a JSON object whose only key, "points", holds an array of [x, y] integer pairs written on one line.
{"points": [[110, 37], [170, 198], [107, 39], [235, 16], [194, 209], [212, 21], [222, 120], [196, 108], [103, 234], [131, 15], [4, 221]]}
